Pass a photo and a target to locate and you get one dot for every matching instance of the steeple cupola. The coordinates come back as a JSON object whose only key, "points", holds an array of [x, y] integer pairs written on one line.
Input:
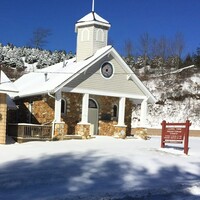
{"points": [[92, 34]]}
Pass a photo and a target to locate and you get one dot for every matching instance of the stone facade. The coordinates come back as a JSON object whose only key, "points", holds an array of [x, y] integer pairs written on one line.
{"points": [[120, 132], [72, 116], [59, 129], [35, 110], [3, 116], [40, 110], [83, 130]]}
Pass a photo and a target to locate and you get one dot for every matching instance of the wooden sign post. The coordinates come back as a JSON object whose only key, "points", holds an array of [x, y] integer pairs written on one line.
{"points": [[175, 133]]}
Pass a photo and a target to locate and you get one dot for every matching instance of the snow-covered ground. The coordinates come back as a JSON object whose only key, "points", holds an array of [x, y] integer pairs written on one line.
{"points": [[103, 168]]}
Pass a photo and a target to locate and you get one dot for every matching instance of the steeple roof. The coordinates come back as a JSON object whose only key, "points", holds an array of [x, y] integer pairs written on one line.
{"points": [[92, 18]]}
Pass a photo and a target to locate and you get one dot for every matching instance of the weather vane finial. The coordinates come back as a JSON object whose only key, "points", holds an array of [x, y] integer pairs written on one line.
{"points": [[92, 5]]}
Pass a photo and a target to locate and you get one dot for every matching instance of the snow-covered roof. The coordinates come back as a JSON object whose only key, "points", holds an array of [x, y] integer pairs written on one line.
{"points": [[92, 18], [55, 77], [6, 85], [52, 78]]}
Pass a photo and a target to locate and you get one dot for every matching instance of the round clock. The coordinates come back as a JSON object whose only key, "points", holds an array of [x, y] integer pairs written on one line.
{"points": [[107, 70]]}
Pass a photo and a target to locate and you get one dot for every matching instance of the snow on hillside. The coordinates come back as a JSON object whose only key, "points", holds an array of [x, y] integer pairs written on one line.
{"points": [[103, 168], [23, 57], [178, 98]]}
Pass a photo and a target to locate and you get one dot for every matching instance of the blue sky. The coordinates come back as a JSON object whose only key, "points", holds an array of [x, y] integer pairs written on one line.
{"points": [[129, 20]]}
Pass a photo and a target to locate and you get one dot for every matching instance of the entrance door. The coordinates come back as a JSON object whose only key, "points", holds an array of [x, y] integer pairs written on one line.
{"points": [[93, 115]]}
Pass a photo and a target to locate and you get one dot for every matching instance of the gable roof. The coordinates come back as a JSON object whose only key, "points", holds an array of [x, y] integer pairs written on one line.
{"points": [[55, 77], [6, 85], [52, 78]]}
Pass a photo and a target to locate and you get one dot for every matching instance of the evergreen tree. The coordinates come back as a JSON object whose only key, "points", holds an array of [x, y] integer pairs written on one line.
{"points": [[197, 57], [188, 61]]}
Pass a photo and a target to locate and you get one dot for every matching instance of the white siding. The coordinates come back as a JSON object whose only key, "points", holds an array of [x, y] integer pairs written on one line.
{"points": [[87, 46], [118, 83], [84, 47]]}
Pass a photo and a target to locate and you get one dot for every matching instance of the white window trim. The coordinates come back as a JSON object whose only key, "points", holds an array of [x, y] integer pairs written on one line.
{"points": [[100, 35], [83, 32]]}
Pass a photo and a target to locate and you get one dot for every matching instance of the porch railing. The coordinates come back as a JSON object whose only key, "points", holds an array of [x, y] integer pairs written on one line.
{"points": [[24, 130]]}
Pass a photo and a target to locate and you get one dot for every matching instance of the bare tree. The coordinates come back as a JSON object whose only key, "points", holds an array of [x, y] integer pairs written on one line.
{"points": [[154, 48], [39, 38], [160, 50], [177, 47], [145, 43], [128, 49]]}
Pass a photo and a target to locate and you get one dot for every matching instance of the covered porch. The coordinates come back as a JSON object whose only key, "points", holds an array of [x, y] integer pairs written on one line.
{"points": [[100, 114], [67, 115]]}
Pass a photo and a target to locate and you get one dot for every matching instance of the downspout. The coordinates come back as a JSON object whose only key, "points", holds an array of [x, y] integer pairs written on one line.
{"points": [[53, 122], [51, 95]]}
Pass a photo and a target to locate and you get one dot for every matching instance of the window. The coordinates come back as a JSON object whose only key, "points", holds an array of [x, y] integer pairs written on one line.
{"points": [[100, 35], [63, 106], [85, 35], [92, 103], [115, 111]]}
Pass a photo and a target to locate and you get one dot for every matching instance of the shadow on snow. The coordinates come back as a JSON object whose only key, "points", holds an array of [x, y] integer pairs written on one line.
{"points": [[68, 174]]}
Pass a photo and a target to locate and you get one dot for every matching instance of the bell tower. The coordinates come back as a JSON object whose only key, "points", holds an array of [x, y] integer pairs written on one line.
{"points": [[92, 34]]}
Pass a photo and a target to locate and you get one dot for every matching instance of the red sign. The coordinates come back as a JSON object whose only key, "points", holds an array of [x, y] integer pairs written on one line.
{"points": [[176, 133]]}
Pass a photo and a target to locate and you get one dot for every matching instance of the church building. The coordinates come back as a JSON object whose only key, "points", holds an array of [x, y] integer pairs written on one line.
{"points": [[90, 94]]}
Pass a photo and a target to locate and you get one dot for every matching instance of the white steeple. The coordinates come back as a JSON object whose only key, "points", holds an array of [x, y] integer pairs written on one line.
{"points": [[92, 34]]}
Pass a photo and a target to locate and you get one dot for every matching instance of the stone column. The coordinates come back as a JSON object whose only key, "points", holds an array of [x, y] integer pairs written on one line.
{"points": [[83, 128], [3, 115], [143, 115]]}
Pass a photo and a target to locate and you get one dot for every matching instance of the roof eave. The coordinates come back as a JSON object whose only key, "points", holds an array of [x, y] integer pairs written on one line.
{"points": [[20, 96], [89, 23]]}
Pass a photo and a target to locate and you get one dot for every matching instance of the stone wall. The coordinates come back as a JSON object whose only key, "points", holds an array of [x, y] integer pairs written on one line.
{"points": [[83, 130], [120, 132], [107, 126], [128, 116], [35, 110], [73, 111], [42, 108], [3, 116]]}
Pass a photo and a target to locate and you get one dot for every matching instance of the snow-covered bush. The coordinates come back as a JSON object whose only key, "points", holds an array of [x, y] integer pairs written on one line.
{"points": [[17, 57]]}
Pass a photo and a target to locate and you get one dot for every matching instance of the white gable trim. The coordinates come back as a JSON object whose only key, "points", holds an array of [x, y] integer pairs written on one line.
{"points": [[134, 78], [102, 93], [83, 67], [82, 70]]}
